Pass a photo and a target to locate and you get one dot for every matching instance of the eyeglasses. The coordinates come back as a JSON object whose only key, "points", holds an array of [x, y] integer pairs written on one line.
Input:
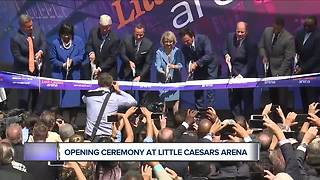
{"points": [[168, 42]]}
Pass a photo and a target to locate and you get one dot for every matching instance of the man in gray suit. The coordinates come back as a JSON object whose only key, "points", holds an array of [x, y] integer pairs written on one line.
{"points": [[277, 50]]}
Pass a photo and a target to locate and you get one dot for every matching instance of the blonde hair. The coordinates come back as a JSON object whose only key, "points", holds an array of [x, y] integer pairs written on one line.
{"points": [[168, 35], [6, 152]]}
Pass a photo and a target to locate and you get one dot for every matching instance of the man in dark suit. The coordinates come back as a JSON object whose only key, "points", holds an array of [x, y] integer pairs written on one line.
{"points": [[201, 63], [277, 49], [103, 47], [28, 48], [301, 152], [292, 165], [136, 53], [240, 55], [308, 50]]}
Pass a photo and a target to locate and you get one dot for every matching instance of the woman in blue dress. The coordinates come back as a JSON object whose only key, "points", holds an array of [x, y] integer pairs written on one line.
{"points": [[169, 61], [66, 57]]}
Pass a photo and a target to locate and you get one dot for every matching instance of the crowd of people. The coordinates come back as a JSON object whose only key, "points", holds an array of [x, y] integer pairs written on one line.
{"points": [[281, 156]]}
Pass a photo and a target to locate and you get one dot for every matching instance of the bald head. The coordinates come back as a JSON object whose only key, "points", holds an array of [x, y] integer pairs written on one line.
{"points": [[166, 135], [66, 131], [241, 30], [265, 140], [204, 127], [283, 176], [14, 133]]}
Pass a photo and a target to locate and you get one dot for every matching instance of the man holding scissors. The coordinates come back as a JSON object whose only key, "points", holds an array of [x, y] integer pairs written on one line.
{"points": [[240, 56], [28, 49], [201, 62]]}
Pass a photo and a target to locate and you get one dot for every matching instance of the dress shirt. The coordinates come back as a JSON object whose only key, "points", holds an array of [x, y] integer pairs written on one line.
{"points": [[93, 106]]}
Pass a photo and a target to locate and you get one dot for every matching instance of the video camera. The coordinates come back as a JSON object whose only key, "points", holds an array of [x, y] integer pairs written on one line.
{"points": [[10, 117], [156, 107]]}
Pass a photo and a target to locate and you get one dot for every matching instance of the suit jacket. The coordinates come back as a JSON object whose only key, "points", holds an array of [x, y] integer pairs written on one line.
{"points": [[203, 56], [230, 170], [309, 53], [8, 172], [141, 58], [281, 54], [179, 131], [20, 48], [41, 170], [301, 156], [292, 165], [18, 152], [106, 56], [58, 56], [243, 58], [162, 61]]}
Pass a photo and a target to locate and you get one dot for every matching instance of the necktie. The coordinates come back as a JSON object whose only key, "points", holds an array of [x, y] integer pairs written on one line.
{"points": [[275, 38], [238, 42], [31, 54], [137, 45], [193, 49], [306, 37], [104, 37]]}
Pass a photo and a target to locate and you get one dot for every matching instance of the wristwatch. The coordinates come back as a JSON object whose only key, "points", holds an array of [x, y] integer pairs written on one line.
{"points": [[305, 145], [210, 134]]}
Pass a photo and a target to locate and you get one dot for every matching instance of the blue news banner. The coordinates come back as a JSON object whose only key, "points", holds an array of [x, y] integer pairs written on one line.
{"points": [[142, 151]]}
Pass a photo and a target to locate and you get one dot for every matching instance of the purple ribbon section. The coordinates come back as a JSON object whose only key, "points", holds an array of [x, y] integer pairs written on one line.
{"points": [[14, 80], [40, 152]]}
